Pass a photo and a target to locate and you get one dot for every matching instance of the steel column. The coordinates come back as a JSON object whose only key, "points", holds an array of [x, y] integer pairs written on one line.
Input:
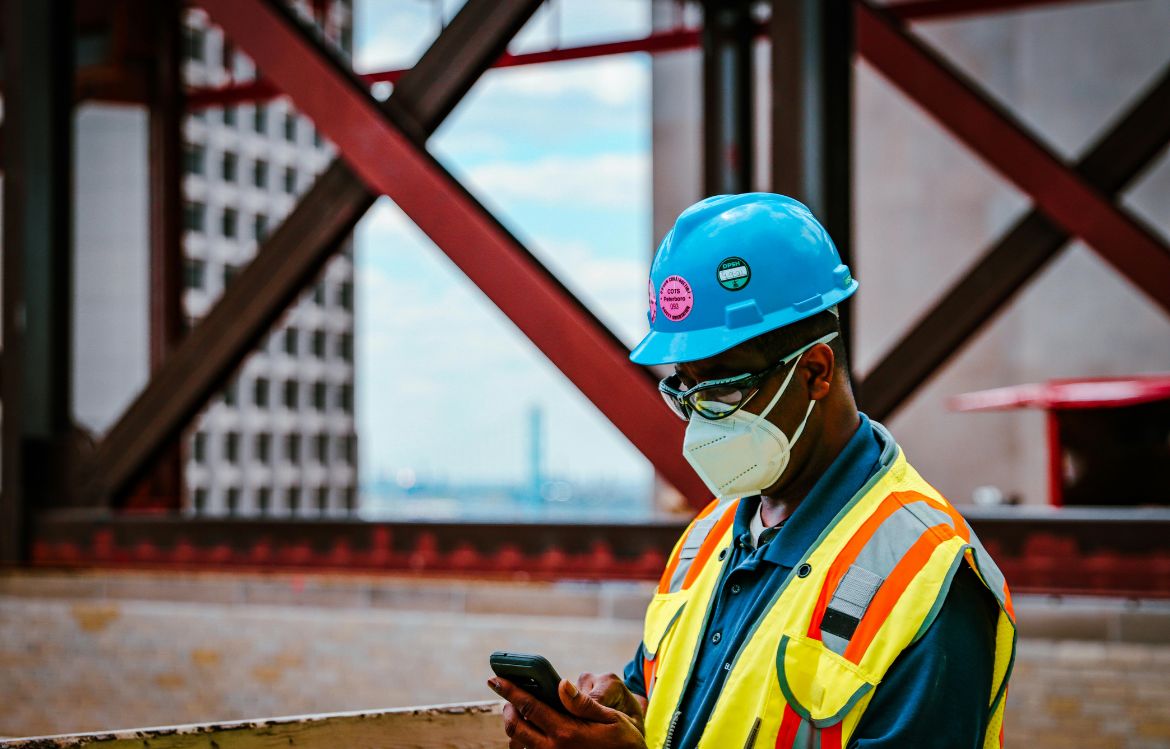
{"points": [[1119, 156], [812, 115], [1006, 145], [163, 488], [728, 94], [38, 111]]}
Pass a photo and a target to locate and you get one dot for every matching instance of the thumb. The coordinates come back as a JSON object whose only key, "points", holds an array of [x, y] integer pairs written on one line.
{"points": [[583, 706]]}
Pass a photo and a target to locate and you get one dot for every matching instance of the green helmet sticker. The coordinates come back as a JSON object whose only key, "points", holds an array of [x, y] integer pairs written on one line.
{"points": [[733, 274]]}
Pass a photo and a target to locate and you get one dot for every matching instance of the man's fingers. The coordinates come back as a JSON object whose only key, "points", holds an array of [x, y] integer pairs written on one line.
{"points": [[583, 706], [525, 736], [585, 683], [530, 708], [511, 718]]}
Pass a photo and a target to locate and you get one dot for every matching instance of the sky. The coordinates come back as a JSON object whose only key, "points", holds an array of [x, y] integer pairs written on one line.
{"points": [[561, 155]]}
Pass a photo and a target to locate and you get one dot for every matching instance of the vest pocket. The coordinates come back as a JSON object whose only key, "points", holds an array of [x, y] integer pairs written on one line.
{"points": [[821, 686], [664, 610]]}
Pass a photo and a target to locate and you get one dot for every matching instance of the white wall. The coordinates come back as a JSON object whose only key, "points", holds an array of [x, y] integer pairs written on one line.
{"points": [[111, 262]]}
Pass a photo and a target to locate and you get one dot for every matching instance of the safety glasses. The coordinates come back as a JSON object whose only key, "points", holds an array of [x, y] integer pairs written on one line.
{"points": [[718, 399]]}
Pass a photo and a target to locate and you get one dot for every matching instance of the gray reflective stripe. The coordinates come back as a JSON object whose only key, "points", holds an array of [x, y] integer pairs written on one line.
{"points": [[877, 560], [833, 642], [807, 737], [897, 534], [988, 569], [694, 541], [855, 591]]}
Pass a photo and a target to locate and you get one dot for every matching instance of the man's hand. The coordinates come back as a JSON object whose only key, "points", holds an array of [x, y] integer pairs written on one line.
{"points": [[531, 724], [611, 691]]}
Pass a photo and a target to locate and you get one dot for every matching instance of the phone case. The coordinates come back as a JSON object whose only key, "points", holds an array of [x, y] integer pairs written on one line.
{"points": [[532, 673]]}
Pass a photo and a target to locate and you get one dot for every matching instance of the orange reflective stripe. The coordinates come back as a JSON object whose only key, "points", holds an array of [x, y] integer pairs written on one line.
{"points": [[672, 564], [789, 725], [847, 557], [648, 675], [709, 544], [893, 587], [1007, 603]]}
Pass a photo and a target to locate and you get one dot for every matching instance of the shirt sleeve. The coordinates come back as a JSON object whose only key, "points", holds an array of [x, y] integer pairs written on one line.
{"points": [[633, 676], [936, 694]]}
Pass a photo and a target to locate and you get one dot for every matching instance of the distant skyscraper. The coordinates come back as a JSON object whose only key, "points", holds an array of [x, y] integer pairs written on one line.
{"points": [[536, 450], [280, 440]]}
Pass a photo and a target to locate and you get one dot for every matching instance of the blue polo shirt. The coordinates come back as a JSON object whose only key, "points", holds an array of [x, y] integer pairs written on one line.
{"points": [[942, 679]]}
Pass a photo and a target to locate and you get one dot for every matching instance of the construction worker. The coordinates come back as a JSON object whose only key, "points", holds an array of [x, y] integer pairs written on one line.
{"points": [[828, 597]]}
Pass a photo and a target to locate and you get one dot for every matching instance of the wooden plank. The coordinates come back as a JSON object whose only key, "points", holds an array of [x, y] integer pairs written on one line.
{"points": [[475, 725]]}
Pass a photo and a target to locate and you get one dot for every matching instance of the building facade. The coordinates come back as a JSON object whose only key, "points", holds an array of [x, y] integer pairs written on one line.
{"points": [[280, 440]]}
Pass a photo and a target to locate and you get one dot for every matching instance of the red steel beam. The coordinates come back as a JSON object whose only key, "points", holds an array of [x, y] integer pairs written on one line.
{"points": [[1006, 145], [376, 148], [258, 90], [1129, 146], [927, 10], [1094, 551]]}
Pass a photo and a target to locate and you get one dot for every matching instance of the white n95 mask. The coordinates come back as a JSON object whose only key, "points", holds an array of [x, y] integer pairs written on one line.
{"points": [[744, 453]]}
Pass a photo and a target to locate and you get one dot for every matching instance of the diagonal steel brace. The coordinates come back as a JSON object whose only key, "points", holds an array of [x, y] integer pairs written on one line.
{"points": [[1117, 158], [1007, 146], [383, 144]]}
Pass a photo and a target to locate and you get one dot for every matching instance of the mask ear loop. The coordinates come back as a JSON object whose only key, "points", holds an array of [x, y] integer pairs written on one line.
{"points": [[800, 429], [795, 361], [776, 398]]}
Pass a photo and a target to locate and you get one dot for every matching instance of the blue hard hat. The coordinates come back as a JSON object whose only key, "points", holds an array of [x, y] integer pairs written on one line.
{"points": [[734, 267]]}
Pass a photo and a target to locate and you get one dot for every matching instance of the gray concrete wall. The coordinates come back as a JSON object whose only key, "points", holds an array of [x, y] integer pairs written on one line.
{"points": [[926, 208]]}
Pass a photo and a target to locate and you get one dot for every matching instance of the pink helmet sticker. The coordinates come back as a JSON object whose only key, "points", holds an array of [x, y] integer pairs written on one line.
{"points": [[653, 302], [676, 298]]}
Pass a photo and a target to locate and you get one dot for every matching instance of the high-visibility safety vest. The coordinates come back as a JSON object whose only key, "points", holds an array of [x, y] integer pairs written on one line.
{"points": [[867, 588]]}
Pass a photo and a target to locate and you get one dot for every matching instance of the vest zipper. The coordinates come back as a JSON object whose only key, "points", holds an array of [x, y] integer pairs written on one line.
{"points": [[670, 730], [695, 655], [751, 740]]}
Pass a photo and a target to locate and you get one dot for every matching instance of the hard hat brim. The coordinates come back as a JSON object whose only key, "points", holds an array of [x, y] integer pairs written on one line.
{"points": [[668, 347]]}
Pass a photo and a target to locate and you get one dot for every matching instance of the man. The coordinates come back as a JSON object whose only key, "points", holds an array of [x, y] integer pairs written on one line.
{"points": [[829, 596]]}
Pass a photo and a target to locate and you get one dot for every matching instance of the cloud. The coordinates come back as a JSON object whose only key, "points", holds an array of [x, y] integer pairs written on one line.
{"points": [[387, 219], [565, 23], [615, 180], [614, 289], [445, 381], [392, 35], [610, 81]]}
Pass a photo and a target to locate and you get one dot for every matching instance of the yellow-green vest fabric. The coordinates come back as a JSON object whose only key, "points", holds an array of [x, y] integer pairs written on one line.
{"points": [[883, 565]]}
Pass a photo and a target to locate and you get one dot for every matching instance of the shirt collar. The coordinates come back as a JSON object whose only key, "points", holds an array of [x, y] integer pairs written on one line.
{"points": [[858, 460]]}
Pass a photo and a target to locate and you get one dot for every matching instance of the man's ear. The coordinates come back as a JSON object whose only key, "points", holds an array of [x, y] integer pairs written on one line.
{"points": [[818, 367]]}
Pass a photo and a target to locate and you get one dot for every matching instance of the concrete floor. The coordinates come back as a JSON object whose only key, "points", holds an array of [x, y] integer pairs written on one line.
{"points": [[98, 651]]}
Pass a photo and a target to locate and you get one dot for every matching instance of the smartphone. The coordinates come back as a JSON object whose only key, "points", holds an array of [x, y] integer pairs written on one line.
{"points": [[532, 673]]}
